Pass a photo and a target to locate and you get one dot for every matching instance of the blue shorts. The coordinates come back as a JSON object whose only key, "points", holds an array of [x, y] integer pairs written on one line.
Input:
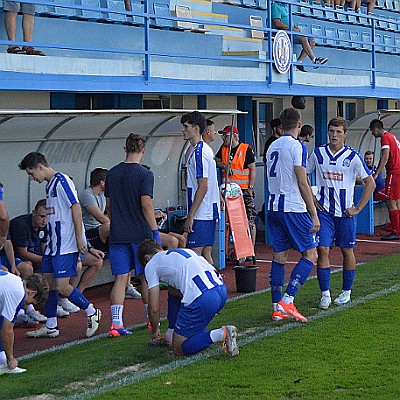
{"points": [[61, 266], [124, 258], [341, 230], [4, 261], [203, 234], [290, 230], [195, 317]]}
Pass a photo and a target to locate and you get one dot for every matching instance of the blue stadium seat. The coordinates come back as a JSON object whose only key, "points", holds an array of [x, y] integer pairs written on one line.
{"points": [[248, 3], [355, 37], [341, 17], [330, 13], [392, 24], [397, 44], [262, 4], [137, 7], [117, 5], [44, 10], [91, 15], [65, 12], [344, 37], [318, 12], [396, 5], [305, 10], [381, 23], [380, 4], [162, 10], [379, 42], [388, 42], [366, 39], [331, 34]]}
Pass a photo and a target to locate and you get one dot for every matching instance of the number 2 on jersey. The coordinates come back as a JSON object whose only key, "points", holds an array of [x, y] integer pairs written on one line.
{"points": [[274, 157]]}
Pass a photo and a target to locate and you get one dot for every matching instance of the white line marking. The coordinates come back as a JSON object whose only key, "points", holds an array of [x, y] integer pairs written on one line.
{"points": [[179, 363], [377, 241]]}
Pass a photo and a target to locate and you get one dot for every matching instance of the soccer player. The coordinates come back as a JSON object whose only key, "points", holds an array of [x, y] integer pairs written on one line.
{"points": [[14, 294], [65, 241], [203, 204], [198, 295], [390, 159], [129, 205], [337, 167], [292, 217]]}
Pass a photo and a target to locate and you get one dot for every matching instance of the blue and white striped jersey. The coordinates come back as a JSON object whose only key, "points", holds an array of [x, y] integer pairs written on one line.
{"points": [[60, 196], [12, 295], [201, 164], [184, 270], [283, 155], [336, 176]]}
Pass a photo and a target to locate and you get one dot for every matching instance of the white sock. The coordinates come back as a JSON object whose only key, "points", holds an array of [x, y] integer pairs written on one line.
{"points": [[326, 293], [287, 299], [3, 358], [51, 322], [217, 335], [168, 335], [90, 310], [347, 292], [116, 315], [146, 309], [274, 305]]}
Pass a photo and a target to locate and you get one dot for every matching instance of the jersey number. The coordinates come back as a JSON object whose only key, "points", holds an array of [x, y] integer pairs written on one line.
{"points": [[274, 158]]}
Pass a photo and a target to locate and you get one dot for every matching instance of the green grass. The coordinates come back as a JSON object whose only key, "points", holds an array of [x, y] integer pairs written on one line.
{"points": [[352, 354]]}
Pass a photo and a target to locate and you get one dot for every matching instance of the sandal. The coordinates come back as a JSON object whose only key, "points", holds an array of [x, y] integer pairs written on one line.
{"points": [[31, 51], [15, 50]]}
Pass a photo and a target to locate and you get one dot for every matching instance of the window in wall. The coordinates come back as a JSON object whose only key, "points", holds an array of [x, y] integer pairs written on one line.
{"points": [[347, 110], [87, 101], [263, 113]]}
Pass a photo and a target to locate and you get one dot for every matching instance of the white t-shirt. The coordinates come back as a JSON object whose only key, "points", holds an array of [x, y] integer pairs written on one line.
{"points": [[201, 164], [60, 196], [184, 270], [283, 155], [12, 295], [336, 176]]}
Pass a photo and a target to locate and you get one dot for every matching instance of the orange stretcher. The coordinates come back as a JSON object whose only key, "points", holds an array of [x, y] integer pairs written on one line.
{"points": [[239, 227]]}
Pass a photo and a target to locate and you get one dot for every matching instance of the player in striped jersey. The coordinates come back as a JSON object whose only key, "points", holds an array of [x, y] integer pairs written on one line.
{"points": [[196, 293], [64, 243], [337, 167], [290, 225]]}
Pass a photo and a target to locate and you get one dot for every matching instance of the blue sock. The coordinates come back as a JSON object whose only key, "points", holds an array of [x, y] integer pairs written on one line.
{"points": [[348, 278], [299, 275], [77, 298], [174, 305], [51, 304], [324, 278], [277, 280], [197, 343]]}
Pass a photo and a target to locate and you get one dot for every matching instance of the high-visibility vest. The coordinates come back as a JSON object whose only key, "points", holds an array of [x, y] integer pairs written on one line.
{"points": [[241, 175]]}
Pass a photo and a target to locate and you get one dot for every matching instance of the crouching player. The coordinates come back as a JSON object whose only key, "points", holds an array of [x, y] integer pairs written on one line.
{"points": [[200, 295]]}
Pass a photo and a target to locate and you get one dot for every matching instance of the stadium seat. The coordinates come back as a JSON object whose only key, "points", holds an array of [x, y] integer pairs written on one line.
{"points": [[91, 14], [379, 42], [317, 32], [396, 5], [331, 34], [261, 4], [366, 39], [344, 37], [381, 22], [330, 13], [257, 21], [355, 39], [44, 10], [318, 12], [137, 7], [185, 12], [117, 5], [66, 12], [397, 44], [380, 4], [388, 42], [249, 3], [162, 10], [305, 10]]}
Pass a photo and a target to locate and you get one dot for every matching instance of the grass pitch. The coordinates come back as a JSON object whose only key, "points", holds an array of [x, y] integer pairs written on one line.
{"points": [[342, 353]]}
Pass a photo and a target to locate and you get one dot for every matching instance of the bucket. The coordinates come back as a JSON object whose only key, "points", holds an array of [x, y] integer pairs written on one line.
{"points": [[246, 278]]}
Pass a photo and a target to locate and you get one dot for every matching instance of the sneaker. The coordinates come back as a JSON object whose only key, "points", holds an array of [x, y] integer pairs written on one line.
{"points": [[25, 321], [301, 68], [291, 310], [229, 341], [119, 331], [391, 236], [320, 61], [44, 331], [148, 324], [61, 313], [38, 316], [67, 305], [4, 369], [279, 316], [93, 322], [132, 293], [325, 302], [343, 298]]}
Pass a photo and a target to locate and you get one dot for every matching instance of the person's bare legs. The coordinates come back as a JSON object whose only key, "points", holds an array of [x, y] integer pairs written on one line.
{"points": [[307, 48], [10, 23], [27, 27]]}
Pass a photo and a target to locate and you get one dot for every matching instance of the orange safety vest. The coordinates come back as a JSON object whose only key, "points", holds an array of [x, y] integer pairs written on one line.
{"points": [[241, 175]]}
